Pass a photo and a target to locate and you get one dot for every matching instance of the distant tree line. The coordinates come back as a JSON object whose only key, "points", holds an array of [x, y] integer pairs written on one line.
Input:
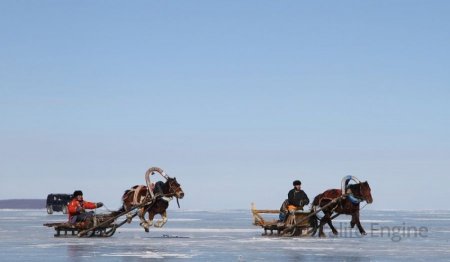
{"points": [[22, 203]]}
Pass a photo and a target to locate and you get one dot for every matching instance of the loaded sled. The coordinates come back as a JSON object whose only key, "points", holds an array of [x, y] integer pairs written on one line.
{"points": [[94, 227], [100, 225], [297, 222]]}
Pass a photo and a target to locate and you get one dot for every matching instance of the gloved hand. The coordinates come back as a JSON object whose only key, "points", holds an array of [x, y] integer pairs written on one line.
{"points": [[99, 204]]}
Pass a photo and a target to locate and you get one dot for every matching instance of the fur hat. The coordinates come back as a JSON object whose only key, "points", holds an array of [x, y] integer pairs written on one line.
{"points": [[77, 193], [296, 182]]}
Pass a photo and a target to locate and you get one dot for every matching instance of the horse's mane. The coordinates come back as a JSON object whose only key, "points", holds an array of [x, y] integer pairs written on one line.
{"points": [[159, 187], [355, 188]]}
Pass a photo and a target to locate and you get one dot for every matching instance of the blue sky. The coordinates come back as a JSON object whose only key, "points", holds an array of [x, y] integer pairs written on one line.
{"points": [[234, 98]]}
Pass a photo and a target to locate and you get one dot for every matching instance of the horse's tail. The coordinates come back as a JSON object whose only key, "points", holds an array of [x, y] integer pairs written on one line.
{"points": [[124, 197], [315, 205], [316, 201], [122, 207], [118, 211]]}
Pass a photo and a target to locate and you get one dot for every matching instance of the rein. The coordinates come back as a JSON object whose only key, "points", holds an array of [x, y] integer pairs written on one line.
{"points": [[363, 207], [173, 194], [168, 195], [355, 200]]}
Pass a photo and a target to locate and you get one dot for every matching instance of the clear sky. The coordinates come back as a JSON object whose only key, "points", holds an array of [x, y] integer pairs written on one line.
{"points": [[234, 98]]}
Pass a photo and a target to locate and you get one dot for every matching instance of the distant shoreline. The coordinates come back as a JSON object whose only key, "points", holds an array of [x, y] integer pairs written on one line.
{"points": [[22, 203], [41, 204]]}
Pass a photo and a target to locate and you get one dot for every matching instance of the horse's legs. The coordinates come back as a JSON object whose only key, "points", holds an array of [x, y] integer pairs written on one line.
{"points": [[324, 220], [321, 234], [161, 222], [355, 220], [151, 216], [143, 223], [127, 207], [330, 223]]}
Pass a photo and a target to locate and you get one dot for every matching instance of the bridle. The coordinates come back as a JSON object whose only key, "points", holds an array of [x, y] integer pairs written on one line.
{"points": [[347, 191], [172, 183], [173, 187], [360, 197]]}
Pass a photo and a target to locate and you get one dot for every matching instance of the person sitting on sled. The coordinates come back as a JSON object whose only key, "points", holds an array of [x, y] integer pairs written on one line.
{"points": [[283, 211], [297, 197], [77, 208]]}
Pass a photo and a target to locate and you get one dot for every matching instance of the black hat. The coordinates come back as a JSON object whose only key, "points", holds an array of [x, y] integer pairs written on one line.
{"points": [[296, 182], [77, 193]]}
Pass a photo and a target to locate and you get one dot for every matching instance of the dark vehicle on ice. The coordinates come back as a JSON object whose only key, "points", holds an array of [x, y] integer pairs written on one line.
{"points": [[58, 203]]}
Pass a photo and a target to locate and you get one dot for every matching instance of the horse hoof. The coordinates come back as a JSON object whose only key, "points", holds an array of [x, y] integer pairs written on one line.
{"points": [[363, 233], [146, 229], [145, 226], [322, 235], [335, 233]]}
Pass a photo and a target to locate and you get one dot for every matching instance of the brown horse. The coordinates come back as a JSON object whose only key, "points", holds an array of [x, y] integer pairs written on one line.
{"points": [[347, 204], [160, 197]]}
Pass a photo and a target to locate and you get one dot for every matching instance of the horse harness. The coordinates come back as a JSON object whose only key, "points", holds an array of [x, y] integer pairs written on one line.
{"points": [[354, 199], [339, 202]]}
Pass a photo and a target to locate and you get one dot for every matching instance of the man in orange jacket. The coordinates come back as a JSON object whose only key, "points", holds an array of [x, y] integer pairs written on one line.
{"points": [[77, 208]]}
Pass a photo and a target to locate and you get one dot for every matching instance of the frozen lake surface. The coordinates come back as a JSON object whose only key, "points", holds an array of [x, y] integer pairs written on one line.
{"points": [[229, 235]]}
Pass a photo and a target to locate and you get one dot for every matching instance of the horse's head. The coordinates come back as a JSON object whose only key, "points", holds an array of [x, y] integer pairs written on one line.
{"points": [[174, 188], [360, 192], [365, 192]]}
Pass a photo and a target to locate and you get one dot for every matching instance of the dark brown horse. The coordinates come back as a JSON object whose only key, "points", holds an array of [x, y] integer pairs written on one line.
{"points": [[347, 204], [160, 196]]}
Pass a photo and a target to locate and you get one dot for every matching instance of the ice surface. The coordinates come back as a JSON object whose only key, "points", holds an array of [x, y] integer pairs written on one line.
{"points": [[228, 235]]}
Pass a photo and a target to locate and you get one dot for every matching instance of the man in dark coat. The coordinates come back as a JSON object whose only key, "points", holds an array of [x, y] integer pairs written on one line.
{"points": [[296, 196]]}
